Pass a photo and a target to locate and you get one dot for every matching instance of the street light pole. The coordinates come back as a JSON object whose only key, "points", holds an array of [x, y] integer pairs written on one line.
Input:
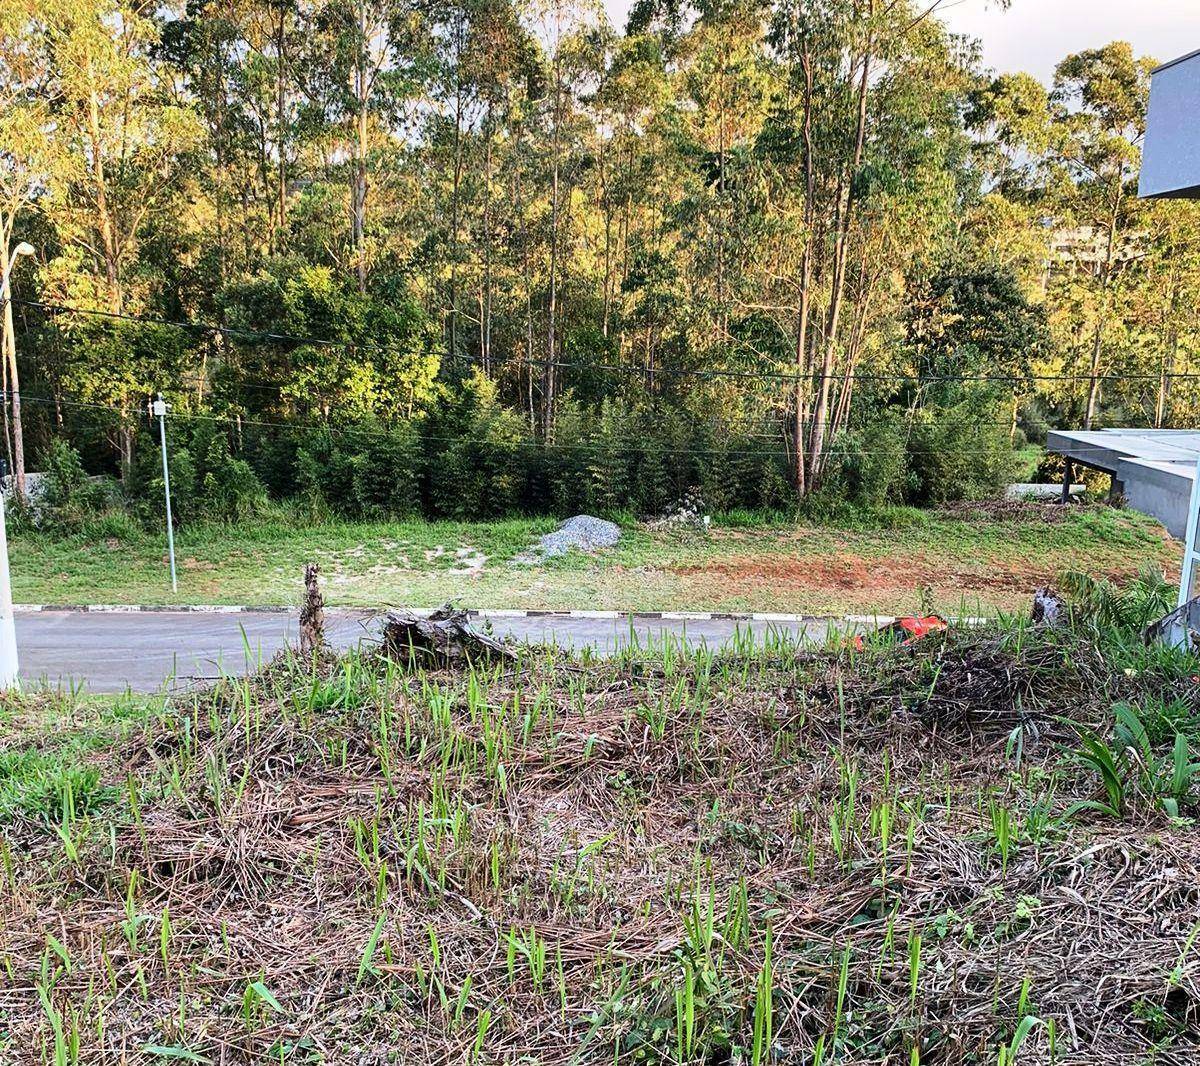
{"points": [[159, 408], [8, 633]]}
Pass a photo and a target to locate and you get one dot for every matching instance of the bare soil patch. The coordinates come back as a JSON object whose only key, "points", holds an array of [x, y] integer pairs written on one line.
{"points": [[750, 575]]}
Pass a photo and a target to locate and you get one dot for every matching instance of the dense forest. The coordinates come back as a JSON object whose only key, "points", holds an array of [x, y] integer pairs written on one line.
{"points": [[478, 256]]}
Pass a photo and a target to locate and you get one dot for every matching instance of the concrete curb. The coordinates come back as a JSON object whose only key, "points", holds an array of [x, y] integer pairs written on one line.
{"points": [[497, 613]]}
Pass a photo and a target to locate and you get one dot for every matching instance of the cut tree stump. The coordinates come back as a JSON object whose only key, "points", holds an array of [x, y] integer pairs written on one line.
{"points": [[312, 613], [1049, 608], [444, 637]]}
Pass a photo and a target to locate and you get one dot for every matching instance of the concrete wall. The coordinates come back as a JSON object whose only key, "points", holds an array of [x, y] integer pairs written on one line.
{"points": [[1167, 503], [1171, 149]]}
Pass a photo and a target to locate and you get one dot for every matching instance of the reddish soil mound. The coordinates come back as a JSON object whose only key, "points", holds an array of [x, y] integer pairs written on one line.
{"points": [[844, 572]]}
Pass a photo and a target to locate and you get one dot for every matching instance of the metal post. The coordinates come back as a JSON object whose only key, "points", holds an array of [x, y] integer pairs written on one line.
{"points": [[160, 409], [1066, 486]]}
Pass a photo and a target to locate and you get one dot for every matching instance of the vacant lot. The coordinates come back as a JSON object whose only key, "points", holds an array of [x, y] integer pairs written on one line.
{"points": [[971, 559], [977, 849]]}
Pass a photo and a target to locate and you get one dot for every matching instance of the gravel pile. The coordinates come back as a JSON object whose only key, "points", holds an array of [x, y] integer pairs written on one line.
{"points": [[583, 532]]}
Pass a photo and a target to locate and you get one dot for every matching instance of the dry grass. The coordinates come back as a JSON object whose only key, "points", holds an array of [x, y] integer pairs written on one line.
{"points": [[562, 861]]}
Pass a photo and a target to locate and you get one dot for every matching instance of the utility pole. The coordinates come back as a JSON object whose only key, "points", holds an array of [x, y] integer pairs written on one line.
{"points": [[159, 409], [8, 633]]}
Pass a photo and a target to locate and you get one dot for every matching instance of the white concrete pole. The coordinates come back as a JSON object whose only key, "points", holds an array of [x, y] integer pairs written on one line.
{"points": [[8, 633]]}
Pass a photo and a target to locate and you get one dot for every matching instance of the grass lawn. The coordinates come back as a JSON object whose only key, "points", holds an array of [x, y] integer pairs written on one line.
{"points": [[976, 849], [962, 559]]}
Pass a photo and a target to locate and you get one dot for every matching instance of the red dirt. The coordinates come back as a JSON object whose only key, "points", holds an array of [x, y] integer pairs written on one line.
{"points": [[853, 572]]}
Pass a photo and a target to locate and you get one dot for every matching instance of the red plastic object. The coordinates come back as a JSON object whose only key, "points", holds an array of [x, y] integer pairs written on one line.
{"points": [[911, 627], [915, 627]]}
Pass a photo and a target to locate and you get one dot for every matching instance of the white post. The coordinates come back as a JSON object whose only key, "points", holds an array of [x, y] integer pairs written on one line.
{"points": [[1189, 551], [8, 633], [160, 409]]}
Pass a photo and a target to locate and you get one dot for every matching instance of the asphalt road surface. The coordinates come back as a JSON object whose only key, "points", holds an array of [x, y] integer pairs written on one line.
{"points": [[112, 652]]}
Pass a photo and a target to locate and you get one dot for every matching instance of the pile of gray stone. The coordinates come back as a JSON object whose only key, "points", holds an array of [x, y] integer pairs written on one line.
{"points": [[583, 532]]}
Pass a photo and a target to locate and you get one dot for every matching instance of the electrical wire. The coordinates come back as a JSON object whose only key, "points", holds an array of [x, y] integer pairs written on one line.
{"points": [[759, 375], [525, 445]]}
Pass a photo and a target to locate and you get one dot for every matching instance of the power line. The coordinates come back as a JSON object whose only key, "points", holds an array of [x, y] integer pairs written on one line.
{"points": [[757, 375], [584, 446]]}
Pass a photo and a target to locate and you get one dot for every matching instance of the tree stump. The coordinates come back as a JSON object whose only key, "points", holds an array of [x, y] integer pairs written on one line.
{"points": [[444, 638], [312, 613]]}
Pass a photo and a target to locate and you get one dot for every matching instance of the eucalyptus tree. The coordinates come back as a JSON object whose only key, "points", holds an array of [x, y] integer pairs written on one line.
{"points": [[1099, 100], [119, 164], [25, 152]]}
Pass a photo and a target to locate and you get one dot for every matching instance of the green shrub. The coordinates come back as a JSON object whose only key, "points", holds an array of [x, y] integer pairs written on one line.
{"points": [[476, 454], [867, 465], [208, 482], [610, 456], [960, 452], [229, 490], [1032, 421], [71, 498], [385, 470]]}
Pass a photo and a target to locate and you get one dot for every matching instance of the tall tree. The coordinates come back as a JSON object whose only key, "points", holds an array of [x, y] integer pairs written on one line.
{"points": [[1100, 100]]}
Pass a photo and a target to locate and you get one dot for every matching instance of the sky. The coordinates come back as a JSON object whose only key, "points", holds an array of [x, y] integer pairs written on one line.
{"points": [[1033, 35]]}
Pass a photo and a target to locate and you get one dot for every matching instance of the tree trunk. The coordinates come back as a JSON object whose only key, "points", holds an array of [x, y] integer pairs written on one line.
{"points": [[1106, 272], [281, 119], [526, 274], [802, 368], [104, 222], [552, 308], [452, 342], [1093, 396], [606, 204], [14, 381], [844, 210], [358, 184], [485, 327]]}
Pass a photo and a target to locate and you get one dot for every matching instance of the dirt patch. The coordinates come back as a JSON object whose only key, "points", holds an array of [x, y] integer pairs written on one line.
{"points": [[854, 572], [332, 856], [1007, 511], [191, 563]]}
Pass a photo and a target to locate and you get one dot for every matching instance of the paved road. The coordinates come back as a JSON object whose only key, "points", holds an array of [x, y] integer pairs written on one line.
{"points": [[110, 652]]}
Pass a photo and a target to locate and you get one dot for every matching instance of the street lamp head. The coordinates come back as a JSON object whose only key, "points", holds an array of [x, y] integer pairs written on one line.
{"points": [[24, 248]]}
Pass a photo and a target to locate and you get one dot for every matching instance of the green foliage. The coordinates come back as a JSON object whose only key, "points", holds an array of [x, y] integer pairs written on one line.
{"points": [[1165, 775], [208, 482], [38, 785], [70, 498], [380, 358], [369, 470], [475, 454], [973, 323], [867, 466], [1130, 607], [958, 452]]}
